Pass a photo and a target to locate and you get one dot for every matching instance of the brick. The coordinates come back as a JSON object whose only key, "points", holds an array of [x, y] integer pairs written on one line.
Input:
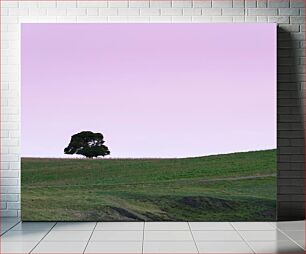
{"points": [[262, 12], [9, 213], [201, 19], [160, 4], [108, 11], [222, 3], [47, 4], [289, 11], [76, 12], [172, 11], [291, 198], [291, 173], [222, 19], [18, 12], [289, 28], [9, 20], [160, 19], [291, 190], [291, 182], [250, 19], [128, 12], [297, 3], [9, 197], [92, 11], [291, 150], [3, 205], [202, 3], [139, 4], [118, 4], [66, 4], [233, 11], [297, 20], [211, 11], [14, 165], [262, 4], [239, 19], [150, 11], [67, 19], [56, 12], [250, 4], [4, 11], [117, 19], [89, 19], [181, 19], [13, 205], [8, 181], [9, 4], [139, 19], [262, 19], [297, 142], [279, 19], [238, 3], [181, 3], [192, 11], [89, 4], [9, 173], [278, 3], [38, 11]]}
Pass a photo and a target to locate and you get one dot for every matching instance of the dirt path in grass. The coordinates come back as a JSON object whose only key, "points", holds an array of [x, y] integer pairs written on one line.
{"points": [[166, 181], [236, 178]]}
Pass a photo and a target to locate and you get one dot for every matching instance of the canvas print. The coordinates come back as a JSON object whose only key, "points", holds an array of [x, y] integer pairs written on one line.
{"points": [[148, 122]]}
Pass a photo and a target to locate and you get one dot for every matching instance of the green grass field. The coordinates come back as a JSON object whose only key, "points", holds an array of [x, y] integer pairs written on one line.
{"points": [[230, 187]]}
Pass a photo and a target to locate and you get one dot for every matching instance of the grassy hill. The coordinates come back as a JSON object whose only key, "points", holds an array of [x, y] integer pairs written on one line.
{"points": [[230, 187]]}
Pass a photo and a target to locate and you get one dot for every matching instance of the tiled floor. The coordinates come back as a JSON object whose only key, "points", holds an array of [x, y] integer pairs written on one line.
{"points": [[152, 237]]}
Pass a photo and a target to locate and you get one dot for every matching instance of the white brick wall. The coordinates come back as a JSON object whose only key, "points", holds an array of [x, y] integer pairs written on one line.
{"points": [[288, 13]]}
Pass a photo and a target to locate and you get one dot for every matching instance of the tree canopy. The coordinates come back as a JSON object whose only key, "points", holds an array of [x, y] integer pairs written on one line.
{"points": [[88, 144]]}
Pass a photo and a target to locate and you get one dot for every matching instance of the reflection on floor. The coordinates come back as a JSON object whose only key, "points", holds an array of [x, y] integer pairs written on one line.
{"points": [[152, 237]]}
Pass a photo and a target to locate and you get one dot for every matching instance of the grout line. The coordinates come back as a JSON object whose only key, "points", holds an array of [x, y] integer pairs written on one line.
{"points": [[90, 237], [290, 238], [246, 242], [43, 237], [193, 237], [143, 232], [10, 228]]}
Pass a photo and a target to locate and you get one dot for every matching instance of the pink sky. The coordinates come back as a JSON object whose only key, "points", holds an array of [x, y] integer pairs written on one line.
{"points": [[153, 90]]}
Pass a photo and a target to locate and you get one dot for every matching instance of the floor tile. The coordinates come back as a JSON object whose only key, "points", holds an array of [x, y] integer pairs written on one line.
{"points": [[22, 236], [276, 247], [17, 247], [166, 226], [60, 247], [63, 226], [120, 226], [33, 226], [167, 236], [68, 236], [216, 236], [223, 247], [211, 226], [273, 235], [252, 226], [106, 236], [114, 247], [6, 225], [291, 225], [169, 247], [297, 236]]}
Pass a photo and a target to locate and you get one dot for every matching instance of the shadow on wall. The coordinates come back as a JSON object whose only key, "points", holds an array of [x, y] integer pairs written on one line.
{"points": [[290, 129]]}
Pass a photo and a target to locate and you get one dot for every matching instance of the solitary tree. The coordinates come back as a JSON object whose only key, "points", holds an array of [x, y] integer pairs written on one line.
{"points": [[88, 144]]}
